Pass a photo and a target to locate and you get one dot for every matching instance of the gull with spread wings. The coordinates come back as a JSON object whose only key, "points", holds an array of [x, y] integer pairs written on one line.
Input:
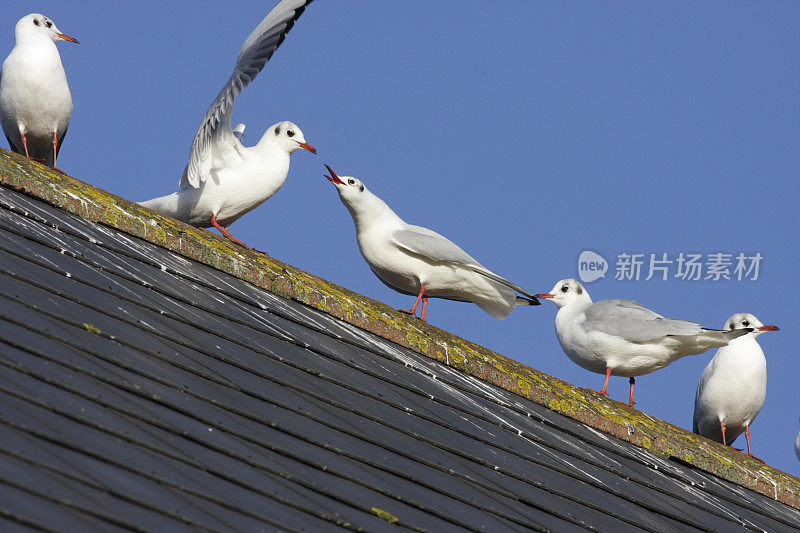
{"points": [[224, 179]]}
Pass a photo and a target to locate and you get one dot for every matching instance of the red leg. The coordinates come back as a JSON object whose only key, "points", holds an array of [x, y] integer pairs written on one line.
{"points": [[747, 437], [722, 427], [603, 391], [633, 382], [25, 144], [225, 233], [424, 307], [420, 296], [55, 149]]}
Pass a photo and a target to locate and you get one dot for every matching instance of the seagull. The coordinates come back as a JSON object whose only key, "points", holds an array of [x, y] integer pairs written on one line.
{"points": [[224, 180], [417, 261], [623, 338], [35, 102], [733, 386]]}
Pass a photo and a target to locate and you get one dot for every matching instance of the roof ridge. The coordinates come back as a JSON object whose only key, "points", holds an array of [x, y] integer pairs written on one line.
{"points": [[258, 268]]}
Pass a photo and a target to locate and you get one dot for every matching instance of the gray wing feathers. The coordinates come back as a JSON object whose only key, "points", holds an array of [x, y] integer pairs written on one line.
{"points": [[434, 247], [430, 245], [513, 286], [700, 386], [254, 54], [634, 322]]}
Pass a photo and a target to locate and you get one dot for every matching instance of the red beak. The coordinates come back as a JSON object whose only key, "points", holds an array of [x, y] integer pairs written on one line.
{"points": [[545, 295], [67, 38], [769, 328], [304, 146], [333, 178]]}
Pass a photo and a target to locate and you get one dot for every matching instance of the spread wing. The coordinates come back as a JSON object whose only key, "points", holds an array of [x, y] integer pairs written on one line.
{"points": [[634, 322], [254, 54], [435, 248]]}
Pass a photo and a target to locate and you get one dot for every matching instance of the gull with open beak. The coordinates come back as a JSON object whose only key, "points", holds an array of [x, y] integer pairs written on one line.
{"points": [[624, 338], [733, 386], [224, 180], [419, 262], [35, 102]]}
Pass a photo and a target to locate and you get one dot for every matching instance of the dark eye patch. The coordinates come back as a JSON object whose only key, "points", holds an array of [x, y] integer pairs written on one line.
{"points": [[36, 22], [361, 187], [278, 130]]}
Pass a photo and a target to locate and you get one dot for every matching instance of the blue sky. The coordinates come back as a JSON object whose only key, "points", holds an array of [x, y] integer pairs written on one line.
{"points": [[524, 131]]}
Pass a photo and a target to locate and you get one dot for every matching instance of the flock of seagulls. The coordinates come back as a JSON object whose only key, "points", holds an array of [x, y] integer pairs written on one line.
{"points": [[224, 180]]}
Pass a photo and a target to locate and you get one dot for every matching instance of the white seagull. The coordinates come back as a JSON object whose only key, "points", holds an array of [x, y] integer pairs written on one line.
{"points": [[417, 261], [623, 338], [224, 180], [35, 102], [732, 388]]}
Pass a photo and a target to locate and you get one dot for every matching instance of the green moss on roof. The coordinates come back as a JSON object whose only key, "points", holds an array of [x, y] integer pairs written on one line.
{"points": [[605, 415]]}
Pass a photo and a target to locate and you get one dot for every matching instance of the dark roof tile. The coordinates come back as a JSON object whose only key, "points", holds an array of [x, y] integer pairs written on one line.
{"points": [[144, 390]]}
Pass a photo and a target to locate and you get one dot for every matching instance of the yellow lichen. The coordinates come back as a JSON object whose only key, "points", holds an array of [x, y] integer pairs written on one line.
{"points": [[417, 341], [91, 328], [386, 516]]}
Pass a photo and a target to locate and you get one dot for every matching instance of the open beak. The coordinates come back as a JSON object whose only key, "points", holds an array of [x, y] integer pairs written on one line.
{"points": [[333, 178], [769, 328], [67, 38], [545, 295], [304, 146]]}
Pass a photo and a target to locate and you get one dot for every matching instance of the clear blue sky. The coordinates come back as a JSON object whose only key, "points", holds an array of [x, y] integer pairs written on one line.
{"points": [[525, 131]]}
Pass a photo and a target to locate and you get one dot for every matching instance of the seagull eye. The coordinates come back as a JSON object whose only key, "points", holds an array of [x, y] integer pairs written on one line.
{"points": [[564, 288], [290, 133], [48, 23], [351, 181], [745, 323]]}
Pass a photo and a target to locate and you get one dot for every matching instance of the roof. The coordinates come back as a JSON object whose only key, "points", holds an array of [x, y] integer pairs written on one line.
{"points": [[153, 375]]}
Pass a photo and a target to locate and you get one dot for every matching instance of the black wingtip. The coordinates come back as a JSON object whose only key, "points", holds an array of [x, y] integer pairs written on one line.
{"points": [[521, 300]]}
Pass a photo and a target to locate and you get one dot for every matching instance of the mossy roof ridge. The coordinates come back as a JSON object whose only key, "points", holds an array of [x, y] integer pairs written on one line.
{"points": [[588, 407]]}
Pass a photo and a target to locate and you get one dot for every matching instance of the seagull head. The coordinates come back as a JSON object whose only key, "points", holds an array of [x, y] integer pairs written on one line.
{"points": [[39, 25], [565, 292], [362, 204], [746, 320], [350, 189], [289, 137]]}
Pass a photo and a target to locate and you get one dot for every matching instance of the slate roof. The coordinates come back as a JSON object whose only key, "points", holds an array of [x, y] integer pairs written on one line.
{"points": [[154, 377]]}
